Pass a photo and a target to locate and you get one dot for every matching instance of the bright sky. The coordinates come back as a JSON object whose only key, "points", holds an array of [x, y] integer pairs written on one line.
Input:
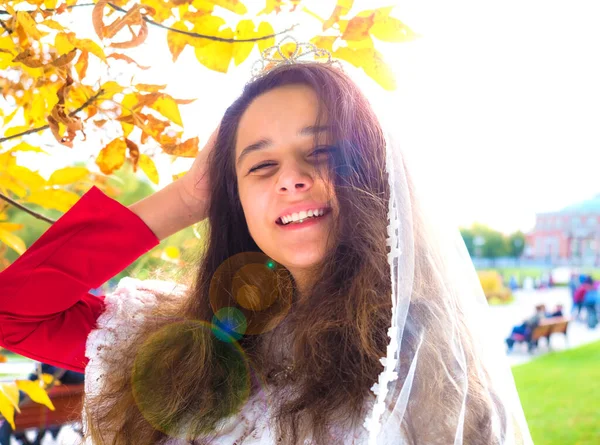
{"points": [[499, 101]]}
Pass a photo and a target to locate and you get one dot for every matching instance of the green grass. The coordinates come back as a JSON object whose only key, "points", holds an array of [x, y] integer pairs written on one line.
{"points": [[560, 393]]}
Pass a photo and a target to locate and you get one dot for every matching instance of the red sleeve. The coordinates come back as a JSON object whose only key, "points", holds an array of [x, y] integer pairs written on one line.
{"points": [[46, 310]]}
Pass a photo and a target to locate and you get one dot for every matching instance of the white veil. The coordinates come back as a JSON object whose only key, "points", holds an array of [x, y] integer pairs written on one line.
{"points": [[445, 377]]}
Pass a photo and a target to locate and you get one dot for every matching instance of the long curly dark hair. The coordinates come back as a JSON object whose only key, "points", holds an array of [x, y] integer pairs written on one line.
{"points": [[180, 377]]}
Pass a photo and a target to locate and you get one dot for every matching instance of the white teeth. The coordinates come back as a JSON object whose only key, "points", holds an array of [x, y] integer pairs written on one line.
{"points": [[301, 216]]}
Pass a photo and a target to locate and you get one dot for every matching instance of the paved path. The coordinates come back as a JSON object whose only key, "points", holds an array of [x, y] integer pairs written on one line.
{"points": [[502, 320]]}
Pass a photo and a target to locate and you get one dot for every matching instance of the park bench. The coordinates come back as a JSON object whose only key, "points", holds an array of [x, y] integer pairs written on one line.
{"points": [[547, 327], [68, 401]]}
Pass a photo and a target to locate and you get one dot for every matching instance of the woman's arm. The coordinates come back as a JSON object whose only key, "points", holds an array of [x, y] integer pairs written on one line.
{"points": [[46, 310]]}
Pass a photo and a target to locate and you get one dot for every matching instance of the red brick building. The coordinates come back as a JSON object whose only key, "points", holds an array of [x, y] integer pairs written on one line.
{"points": [[569, 235]]}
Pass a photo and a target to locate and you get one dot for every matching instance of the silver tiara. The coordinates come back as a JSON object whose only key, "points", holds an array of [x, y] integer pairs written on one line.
{"points": [[304, 52]]}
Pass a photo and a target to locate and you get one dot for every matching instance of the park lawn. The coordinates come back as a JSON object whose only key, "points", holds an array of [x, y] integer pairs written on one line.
{"points": [[560, 393]]}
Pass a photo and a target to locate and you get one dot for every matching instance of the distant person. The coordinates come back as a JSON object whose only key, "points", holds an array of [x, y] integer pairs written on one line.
{"points": [[590, 302], [558, 311], [513, 284], [524, 331], [586, 284]]}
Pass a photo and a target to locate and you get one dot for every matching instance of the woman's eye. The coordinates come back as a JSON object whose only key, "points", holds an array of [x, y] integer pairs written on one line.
{"points": [[322, 150], [258, 167]]}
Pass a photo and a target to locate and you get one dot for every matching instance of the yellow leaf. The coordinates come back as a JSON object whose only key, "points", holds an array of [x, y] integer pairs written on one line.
{"points": [[48, 379], [112, 156], [29, 25], [24, 146], [63, 44], [57, 199], [68, 175], [324, 42], [50, 4], [35, 391], [52, 24], [11, 392], [161, 10], [7, 183], [37, 115], [176, 40], [216, 55], [79, 94], [33, 180], [12, 241], [265, 29], [390, 29], [167, 106], [371, 61], [241, 51], [16, 130], [90, 46], [11, 227], [111, 88], [7, 410], [10, 117], [376, 68], [148, 167], [172, 252], [232, 5]]}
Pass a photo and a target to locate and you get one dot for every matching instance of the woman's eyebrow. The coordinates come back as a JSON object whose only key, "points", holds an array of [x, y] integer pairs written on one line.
{"points": [[263, 143]]}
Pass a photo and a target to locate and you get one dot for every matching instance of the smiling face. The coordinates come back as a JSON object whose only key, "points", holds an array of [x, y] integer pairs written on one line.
{"points": [[281, 158]]}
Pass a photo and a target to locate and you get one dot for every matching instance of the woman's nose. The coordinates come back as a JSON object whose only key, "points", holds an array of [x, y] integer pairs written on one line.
{"points": [[294, 179]]}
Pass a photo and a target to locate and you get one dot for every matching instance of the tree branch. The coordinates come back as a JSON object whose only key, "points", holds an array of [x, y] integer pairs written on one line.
{"points": [[179, 31], [6, 28], [45, 127], [25, 209]]}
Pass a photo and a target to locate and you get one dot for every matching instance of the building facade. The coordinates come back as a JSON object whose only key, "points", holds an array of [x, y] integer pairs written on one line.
{"points": [[569, 236]]}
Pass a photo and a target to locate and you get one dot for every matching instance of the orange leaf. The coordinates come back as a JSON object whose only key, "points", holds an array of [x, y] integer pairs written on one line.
{"points": [[358, 28], [28, 58], [341, 9], [134, 153], [187, 149], [127, 59], [97, 18], [148, 88], [112, 156], [65, 59], [82, 65], [136, 39]]}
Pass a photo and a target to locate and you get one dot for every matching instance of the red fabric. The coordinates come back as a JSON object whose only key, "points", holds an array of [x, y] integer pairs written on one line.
{"points": [[579, 295], [46, 310]]}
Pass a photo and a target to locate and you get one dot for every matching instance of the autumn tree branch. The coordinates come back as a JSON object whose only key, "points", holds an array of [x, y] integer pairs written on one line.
{"points": [[27, 210], [45, 127], [178, 31]]}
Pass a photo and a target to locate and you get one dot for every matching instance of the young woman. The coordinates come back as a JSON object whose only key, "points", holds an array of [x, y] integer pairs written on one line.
{"points": [[324, 295]]}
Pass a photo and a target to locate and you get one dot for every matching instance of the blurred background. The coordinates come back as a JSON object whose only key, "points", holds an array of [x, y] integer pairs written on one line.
{"points": [[498, 104]]}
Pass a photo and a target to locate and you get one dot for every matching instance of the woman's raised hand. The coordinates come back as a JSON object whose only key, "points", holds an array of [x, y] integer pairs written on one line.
{"points": [[194, 186], [181, 203]]}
